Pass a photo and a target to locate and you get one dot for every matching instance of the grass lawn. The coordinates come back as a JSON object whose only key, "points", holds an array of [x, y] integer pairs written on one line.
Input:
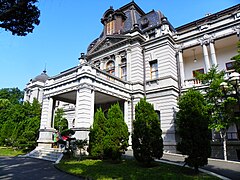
{"points": [[5, 151], [127, 170]]}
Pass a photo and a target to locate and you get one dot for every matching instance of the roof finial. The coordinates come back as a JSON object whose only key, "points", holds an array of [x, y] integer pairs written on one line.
{"points": [[45, 71]]}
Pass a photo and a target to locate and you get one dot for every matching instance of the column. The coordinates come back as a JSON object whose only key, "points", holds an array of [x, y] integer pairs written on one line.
{"points": [[128, 64], [46, 130], [181, 67], [102, 63], [84, 111], [205, 56], [213, 53], [117, 67]]}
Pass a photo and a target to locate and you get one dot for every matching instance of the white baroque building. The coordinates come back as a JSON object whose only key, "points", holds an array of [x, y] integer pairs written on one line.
{"points": [[139, 54]]}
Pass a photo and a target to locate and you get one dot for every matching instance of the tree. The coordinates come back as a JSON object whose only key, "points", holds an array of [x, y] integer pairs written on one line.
{"points": [[97, 134], [60, 123], [192, 127], [147, 142], [220, 103], [115, 141], [13, 95], [237, 59], [19, 16]]}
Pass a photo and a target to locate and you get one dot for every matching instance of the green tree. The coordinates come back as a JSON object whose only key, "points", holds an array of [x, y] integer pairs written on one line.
{"points": [[192, 127], [60, 123], [147, 140], [19, 16], [115, 141], [220, 103], [13, 95], [97, 134], [25, 134], [237, 59]]}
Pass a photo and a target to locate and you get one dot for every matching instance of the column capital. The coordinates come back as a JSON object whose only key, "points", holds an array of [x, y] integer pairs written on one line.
{"points": [[206, 39], [179, 48]]}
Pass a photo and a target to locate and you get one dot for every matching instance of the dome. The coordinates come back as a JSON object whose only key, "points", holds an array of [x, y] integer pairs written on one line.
{"points": [[42, 77]]}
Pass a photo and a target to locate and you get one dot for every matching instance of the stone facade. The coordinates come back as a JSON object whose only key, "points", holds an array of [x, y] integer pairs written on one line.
{"points": [[140, 54]]}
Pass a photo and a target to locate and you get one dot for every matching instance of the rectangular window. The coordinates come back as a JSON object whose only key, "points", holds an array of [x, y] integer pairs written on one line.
{"points": [[154, 69], [110, 28], [201, 71], [229, 66]]}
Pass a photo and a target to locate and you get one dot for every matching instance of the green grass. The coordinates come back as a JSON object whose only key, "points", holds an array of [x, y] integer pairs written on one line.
{"points": [[128, 170], [5, 151]]}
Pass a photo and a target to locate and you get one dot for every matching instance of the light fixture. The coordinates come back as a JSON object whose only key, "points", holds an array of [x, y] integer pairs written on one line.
{"points": [[195, 59]]}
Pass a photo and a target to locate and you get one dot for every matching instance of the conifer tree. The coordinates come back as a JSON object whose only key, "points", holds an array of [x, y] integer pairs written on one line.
{"points": [[147, 142], [192, 127], [97, 134], [117, 135]]}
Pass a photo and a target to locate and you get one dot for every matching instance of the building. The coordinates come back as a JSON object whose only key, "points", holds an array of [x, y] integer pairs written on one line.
{"points": [[140, 54]]}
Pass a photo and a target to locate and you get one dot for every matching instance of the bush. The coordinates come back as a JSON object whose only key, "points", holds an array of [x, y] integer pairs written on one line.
{"points": [[147, 142]]}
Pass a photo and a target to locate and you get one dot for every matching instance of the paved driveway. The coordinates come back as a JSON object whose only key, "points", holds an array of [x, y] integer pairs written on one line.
{"points": [[28, 168]]}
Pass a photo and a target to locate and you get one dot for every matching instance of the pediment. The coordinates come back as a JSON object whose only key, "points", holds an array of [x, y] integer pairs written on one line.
{"points": [[107, 42]]}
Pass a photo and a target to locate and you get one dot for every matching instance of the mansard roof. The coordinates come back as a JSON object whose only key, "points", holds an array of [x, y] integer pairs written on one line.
{"points": [[132, 14]]}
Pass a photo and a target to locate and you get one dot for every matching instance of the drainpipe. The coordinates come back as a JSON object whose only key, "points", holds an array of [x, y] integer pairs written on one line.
{"points": [[144, 73]]}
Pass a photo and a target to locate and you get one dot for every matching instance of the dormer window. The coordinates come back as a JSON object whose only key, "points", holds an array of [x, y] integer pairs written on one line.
{"points": [[144, 23], [110, 27]]}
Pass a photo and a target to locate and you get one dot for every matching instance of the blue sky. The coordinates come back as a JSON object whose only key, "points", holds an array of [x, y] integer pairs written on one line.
{"points": [[68, 26]]}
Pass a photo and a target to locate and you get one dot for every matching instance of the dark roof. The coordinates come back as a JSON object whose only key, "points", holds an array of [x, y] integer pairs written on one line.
{"points": [[42, 77], [133, 14]]}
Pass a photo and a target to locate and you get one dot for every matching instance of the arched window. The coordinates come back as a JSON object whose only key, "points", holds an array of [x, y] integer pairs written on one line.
{"points": [[111, 67]]}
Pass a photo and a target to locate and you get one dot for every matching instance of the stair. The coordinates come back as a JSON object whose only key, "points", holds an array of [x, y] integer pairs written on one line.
{"points": [[49, 154]]}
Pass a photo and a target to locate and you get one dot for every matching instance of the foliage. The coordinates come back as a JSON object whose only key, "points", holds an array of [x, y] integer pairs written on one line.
{"points": [[13, 95], [97, 134], [60, 123], [81, 146], [128, 169], [19, 16], [237, 59], [192, 127], [20, 123], [220, 102], [115, 141], [147, 142]]}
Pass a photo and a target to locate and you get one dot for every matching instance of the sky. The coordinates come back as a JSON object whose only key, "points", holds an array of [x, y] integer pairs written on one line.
{"points": [[67, 27]]}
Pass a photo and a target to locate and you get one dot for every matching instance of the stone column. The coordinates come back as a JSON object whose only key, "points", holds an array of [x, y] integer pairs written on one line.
{"points": [[117, 67], [84, 111], [128, 64], [213, 53], [46, 129], [181, 67], [205, 56]]}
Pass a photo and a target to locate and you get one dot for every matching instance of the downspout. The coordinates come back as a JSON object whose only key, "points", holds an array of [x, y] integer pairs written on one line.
{"points": [[132, 98], [144, 73]]}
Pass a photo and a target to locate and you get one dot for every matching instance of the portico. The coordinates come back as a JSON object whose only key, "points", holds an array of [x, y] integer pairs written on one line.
{"points": [[87, 91]]}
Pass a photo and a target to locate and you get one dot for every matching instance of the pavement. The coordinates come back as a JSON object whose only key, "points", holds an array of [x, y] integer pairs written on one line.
{"points": [[22, 168]]}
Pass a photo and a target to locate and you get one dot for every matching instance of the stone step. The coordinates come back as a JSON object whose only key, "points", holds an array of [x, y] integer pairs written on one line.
{"points": [[50, 154]]}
